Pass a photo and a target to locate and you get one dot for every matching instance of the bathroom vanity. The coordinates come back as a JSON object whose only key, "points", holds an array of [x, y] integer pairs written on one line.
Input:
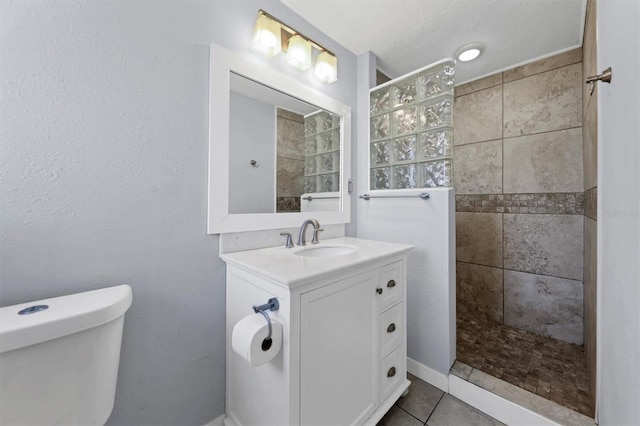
{"points": [[342, 307], [341, 303]]}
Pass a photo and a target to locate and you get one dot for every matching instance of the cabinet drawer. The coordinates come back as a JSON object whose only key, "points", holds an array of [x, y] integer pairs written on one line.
{"points": [[392, 372], [391, 329], [390, 284]]}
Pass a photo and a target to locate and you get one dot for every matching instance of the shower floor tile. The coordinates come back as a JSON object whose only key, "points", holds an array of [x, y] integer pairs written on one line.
{"points": [[550, 368]]}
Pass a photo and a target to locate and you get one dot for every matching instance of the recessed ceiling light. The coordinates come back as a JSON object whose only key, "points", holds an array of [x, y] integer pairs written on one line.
{"points": [[469, 52]]}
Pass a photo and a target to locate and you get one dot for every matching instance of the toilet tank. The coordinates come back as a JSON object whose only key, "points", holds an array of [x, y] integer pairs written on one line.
{"points": [[59, 365]]}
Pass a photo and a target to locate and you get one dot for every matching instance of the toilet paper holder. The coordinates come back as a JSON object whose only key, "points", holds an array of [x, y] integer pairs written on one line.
{"points": [[271, 305]]}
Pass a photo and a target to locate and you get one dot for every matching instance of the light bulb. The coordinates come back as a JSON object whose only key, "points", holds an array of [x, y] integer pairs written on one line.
{"points": [[266, 36], [469, 52], [326, 67], [469, 55], [299, 53]]}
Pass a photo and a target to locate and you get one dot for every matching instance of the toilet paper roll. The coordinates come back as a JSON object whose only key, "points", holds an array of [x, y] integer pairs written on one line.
{"points": [[248, 337]]}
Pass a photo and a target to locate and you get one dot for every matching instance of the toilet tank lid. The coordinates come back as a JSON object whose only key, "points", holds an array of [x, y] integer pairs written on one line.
{"points": [[65, 315]]}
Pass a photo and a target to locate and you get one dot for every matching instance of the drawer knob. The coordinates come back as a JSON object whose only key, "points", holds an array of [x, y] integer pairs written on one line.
{"points": [[391, 328], [391, 283], [391, 372], [379, 290]]}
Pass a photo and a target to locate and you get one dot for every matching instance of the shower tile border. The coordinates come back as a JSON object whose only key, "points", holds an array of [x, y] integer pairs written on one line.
{"points": [[569, 203], [287, 204]]}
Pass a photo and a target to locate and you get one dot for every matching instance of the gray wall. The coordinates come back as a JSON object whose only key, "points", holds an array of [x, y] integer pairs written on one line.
{"points": [[252, 132], [618, 222], [103, 174]]}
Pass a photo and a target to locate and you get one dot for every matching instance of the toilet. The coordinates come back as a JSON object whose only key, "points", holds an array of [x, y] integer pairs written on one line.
{"points": [[59, 358]]}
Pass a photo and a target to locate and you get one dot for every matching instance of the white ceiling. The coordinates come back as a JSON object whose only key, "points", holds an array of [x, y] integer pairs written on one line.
{"points": [[408, 34]]}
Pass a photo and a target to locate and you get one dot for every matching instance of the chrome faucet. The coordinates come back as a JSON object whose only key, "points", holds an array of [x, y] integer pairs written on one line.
{"points": [[316, 228]]}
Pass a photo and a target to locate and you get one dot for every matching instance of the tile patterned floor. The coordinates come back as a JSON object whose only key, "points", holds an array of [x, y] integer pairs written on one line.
{"points": [[428, 405], [550, 368]]}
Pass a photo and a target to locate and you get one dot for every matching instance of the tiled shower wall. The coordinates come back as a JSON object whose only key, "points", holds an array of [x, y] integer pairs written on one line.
{"points": [[289, 161], [590, 139], [518, 175]]}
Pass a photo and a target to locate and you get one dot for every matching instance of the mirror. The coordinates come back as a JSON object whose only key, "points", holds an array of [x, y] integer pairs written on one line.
{"points": [[278, 150], [288, 159]]}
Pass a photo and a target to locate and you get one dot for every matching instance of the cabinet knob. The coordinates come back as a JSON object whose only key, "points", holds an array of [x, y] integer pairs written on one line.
{"points": [[391, 283], [391, 328], [379, 290], [391, 372]]}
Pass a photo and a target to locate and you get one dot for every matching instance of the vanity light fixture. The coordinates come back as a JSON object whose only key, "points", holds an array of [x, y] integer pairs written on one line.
{"points": [[469, 52], [299, 53], [326, 67], [271, 37], [267, 36]]}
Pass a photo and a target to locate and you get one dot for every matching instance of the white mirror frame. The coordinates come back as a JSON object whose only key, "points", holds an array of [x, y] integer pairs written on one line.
{"points": [[219, 220]]}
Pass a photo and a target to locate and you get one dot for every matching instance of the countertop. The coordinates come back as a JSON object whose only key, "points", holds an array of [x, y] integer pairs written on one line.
{"points": [[282, 265]]}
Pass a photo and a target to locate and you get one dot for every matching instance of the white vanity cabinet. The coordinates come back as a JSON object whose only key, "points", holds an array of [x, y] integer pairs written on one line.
{"points": [[337, 355], [343, 358]]}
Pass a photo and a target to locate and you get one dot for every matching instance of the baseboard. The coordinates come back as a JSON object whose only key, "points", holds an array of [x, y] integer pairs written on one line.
{"points": [[429, 375], [216, 422], [495, 406]]}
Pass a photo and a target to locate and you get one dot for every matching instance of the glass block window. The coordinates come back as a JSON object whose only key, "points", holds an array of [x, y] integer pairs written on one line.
{"points": [[322, 152], [411, 130]]}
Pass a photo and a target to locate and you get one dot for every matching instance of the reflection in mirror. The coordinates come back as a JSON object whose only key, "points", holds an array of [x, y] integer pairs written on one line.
{"points": [[284, 153], [246, 161]]}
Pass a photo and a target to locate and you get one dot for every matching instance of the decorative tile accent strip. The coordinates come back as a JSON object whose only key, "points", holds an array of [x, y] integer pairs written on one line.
{"points": [[287, 204], [547, 203], [591, 203]]}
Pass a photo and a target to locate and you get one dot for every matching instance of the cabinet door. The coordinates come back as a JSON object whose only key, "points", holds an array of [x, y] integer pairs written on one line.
{"points": [[338, 363]]}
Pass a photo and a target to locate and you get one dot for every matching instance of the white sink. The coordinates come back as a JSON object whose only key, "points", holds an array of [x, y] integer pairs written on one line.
{"points": [[326, 251], [300, 265]]}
